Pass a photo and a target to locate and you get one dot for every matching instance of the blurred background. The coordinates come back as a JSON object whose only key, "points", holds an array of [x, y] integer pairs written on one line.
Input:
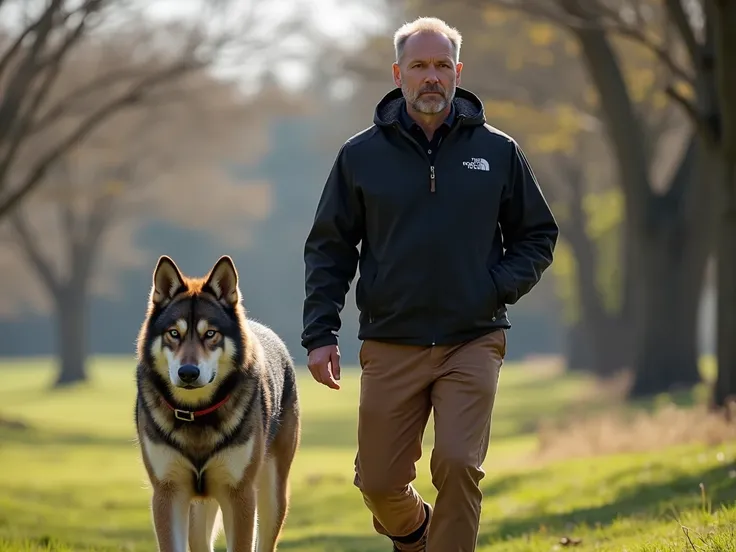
{"points": [[196, 128]]}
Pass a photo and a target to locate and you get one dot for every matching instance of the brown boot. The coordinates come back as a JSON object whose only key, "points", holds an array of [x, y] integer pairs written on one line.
{"points": [[417, 541]]}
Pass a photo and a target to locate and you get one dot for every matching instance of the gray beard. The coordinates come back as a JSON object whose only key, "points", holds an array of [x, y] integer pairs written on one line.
{"points": [[428, 105]]}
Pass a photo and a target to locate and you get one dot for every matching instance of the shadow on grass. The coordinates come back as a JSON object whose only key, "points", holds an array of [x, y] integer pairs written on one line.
{"points": [[656, 499], [22, 434], [336, 543]]}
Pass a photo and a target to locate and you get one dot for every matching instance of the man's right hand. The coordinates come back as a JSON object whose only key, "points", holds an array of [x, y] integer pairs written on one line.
{"points": [[324, 363]]}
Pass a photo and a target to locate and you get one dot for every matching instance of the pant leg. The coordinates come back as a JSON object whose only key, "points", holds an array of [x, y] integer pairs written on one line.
{"points": [[392, 417], [463, 397]]}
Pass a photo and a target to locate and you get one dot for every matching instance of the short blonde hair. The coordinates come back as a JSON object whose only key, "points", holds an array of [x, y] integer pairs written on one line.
{"points": [[427, 24]]}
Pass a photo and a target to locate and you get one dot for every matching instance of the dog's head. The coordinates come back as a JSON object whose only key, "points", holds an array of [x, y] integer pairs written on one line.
{"points": [[193, 335]]}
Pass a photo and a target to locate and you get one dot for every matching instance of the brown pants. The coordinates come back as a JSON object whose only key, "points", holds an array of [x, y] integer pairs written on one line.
{"points": [[400, 385]]}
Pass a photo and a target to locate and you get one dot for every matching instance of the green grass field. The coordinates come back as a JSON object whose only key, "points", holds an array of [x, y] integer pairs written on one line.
{"points": [[72, 480]]}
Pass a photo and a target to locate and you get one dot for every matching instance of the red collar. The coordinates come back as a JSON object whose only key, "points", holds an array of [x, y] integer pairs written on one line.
{"points": [[189, 415]]}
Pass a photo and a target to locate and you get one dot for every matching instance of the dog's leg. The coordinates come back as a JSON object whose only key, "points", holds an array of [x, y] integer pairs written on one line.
{"points": [[239, 517], [203, 526], [268, 506], [273, 486], [170, 518]]}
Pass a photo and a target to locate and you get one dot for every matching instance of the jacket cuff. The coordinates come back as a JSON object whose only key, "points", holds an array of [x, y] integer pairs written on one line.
{"points": [[320, 341]]}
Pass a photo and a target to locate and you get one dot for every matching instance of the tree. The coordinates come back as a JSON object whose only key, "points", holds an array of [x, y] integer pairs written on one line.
{"points": [[38, 45], [694, 42], [165, 160], [722, 21]]}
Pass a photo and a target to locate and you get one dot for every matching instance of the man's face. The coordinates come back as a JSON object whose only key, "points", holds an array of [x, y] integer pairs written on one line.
{"points": [[427, 72]]}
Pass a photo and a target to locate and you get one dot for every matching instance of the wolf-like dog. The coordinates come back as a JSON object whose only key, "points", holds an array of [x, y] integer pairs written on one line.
{"points": [[217, 414]]}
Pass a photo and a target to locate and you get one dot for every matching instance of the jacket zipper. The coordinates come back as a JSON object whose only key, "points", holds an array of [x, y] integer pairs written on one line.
{"points": [[432, 179]]}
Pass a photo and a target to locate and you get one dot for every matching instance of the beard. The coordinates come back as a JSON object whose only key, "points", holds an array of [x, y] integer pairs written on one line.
{"points": [[429, 104]]}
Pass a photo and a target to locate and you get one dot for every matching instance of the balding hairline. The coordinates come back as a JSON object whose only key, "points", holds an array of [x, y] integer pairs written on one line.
{"points": [[423, 25]]}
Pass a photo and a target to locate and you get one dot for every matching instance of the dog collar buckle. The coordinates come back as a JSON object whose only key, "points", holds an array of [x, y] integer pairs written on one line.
{"points": [[184, 415], [188, 415]]}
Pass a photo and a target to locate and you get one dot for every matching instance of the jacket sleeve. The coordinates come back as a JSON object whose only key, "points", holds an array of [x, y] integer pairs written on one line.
{"points": [[331, 255], [529, 231]]}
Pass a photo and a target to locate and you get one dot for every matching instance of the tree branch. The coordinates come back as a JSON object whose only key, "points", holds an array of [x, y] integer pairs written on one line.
{"points": [[90, 123], [28, 245], [679, 18], [18, 133], [27, 70], [14, 48], [700, 122]]}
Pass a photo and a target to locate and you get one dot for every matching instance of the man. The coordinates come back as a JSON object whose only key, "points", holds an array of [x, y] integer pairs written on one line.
{"points": [[433, 195]]}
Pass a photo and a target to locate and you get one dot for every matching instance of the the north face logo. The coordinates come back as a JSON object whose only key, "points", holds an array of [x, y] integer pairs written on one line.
{"points": [[477, 163]]}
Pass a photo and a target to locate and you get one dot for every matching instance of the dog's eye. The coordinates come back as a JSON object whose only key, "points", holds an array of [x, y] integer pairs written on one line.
{"points": [[210, 334], [174, 334]]}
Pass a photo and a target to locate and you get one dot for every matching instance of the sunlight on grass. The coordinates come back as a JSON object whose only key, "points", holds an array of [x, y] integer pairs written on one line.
{"points": [[72, 478]]}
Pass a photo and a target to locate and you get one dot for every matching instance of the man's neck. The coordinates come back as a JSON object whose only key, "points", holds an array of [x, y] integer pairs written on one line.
{"points": [[429, 122]]}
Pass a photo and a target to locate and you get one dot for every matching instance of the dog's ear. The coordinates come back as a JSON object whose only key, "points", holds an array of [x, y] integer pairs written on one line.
{"points": [[167, 281], [223, 281]]}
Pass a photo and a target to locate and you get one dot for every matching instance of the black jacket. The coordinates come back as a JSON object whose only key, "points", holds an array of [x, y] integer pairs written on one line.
{"points": [[432, 233]]}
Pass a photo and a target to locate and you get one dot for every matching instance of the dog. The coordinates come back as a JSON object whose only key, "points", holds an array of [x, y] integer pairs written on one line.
{"points": [[216, 412]]}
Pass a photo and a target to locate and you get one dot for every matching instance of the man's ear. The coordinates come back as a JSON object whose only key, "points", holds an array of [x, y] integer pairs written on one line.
{"points": [[167, 281], [223, 281], [396, 73]]}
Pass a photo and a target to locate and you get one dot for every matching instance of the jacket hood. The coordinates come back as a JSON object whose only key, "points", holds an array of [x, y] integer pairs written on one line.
{"points": [[468, 108]]}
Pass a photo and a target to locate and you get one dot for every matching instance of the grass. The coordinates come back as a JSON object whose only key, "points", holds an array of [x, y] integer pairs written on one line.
{"points": [[72, 480]]}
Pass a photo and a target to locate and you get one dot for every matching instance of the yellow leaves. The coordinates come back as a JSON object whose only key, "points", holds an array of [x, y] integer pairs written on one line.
{"points": [[541, 34], [685, 89], [641, 81], [548, 131], [552, 143], [604, 210], [566, 283], [604, 215]]}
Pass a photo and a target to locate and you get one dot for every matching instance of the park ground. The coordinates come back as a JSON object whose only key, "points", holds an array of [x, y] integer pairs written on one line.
{"points": [[568, 461]]}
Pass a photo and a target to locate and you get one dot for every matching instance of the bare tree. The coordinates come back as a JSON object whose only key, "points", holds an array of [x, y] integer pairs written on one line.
{"points": [[40, 41], [162, 160]]}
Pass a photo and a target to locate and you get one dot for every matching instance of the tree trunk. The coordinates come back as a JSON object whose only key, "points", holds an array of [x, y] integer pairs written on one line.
{"points": [[725, 387], [667, 260], [606, 337], [672, 250], [723, 17], [578, 355], [665, 341], [71, 311]]}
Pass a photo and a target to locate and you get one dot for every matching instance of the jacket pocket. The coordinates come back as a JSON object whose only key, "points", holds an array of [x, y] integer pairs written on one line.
{"points": [[366, 289], [494, 303]]}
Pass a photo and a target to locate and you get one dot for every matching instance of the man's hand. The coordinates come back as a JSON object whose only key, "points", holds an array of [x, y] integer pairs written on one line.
{"points": [[324, 363]]}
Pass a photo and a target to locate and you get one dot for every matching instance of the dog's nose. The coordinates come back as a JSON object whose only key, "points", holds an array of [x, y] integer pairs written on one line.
{"points": [[188, 373]]}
